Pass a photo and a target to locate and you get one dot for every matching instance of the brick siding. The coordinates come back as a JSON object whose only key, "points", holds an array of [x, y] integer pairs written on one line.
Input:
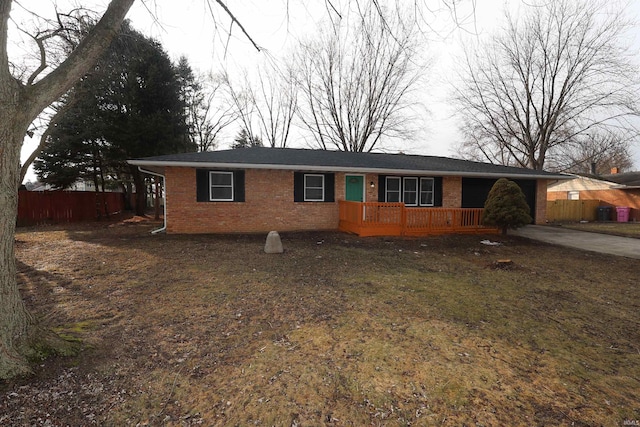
{"points": [[541, 202], [451, 192], [269, 204]]}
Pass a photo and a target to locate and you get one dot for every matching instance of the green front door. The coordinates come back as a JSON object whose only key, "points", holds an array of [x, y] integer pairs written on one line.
{"points": [[354, 190]]}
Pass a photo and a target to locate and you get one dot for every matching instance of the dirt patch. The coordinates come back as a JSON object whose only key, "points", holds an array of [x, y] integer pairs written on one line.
{"points": [[338, 330]]}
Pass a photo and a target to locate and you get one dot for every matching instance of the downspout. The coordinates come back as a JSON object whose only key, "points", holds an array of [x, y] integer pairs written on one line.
{"points": [[164, 207]]}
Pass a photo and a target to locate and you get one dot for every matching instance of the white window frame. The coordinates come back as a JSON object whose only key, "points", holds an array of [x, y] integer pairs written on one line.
{"points": [[573, 195], [305, 187], [211, 186], [404, 190], [432, 191], [386, 188]]}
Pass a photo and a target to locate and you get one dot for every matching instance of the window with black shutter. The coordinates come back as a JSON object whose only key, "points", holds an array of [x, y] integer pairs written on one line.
{"points": [[219, 186], [313, 187]]}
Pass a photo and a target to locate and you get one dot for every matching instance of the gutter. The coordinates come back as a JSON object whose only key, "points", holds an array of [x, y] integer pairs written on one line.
{"points": [[164, 207], [348, 169]]}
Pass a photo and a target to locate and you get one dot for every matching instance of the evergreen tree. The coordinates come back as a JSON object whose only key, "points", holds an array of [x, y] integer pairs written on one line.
{"points": [[244, 140], [506, 206], [128, 106]]}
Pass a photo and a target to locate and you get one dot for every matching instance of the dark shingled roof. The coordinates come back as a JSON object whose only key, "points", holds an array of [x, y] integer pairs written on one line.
{"points": [[629, 179], [302, 159]]}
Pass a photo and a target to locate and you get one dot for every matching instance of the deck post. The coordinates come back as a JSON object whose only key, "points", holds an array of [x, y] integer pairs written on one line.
{"points": [[403, 219]]}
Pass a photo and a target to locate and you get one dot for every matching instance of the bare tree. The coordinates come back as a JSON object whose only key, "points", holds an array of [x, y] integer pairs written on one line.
{"points": [[595, 153], [356, 80], [24, 93], [275, 102], [21, 100], [212, 114], [207, 113], [240, 97], [551, 79]]}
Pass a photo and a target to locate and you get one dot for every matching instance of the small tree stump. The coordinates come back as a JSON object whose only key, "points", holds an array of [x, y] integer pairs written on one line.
{"points": [[503, 264]]}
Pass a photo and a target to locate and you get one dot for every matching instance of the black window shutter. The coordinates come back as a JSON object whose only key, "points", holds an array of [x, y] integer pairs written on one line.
{"points": [[238, 186], [202, 185], [298, 187], [382, 187], [329, 187], [437, 191]]}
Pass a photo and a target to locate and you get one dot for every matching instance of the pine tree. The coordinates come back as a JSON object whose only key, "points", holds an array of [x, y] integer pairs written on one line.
{"points": [[245, 140], [506, 206], [129, 106]]}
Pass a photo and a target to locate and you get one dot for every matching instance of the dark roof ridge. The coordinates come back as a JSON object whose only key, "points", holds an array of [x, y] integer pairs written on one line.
{"points": [[310, 159]]}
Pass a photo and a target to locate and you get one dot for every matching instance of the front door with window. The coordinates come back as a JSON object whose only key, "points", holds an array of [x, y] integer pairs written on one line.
{"points": [[354, 190]]}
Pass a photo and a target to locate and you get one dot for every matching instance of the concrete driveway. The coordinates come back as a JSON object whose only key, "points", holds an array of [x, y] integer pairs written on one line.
{"points": [[594, 242]]}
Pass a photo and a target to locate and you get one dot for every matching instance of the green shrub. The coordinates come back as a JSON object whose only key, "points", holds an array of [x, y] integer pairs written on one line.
{"points": [[506, 206]]}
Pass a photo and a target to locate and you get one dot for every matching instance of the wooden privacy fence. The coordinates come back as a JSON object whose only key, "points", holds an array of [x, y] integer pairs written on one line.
{"points": [[36, 207], [572, 210], [395, 219]]}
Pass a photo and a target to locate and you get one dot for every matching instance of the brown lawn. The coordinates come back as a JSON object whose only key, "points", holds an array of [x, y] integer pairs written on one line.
{"points": [[626, 229], [339, 330]]}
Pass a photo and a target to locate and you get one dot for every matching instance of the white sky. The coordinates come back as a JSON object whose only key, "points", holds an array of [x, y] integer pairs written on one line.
{"points": [[185, 27]]}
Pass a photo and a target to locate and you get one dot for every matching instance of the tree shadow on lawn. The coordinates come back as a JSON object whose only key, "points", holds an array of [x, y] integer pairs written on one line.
{"points": [[337, 329]]}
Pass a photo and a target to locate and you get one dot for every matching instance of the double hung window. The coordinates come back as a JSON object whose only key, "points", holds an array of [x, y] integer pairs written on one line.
{"points": [[411, 190], [221, 186], [313, 188], [392, 189], [426, 191]]}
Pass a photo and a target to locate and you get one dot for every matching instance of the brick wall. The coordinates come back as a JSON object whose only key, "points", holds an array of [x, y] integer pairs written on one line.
{"points": [[268, 205], [541, 202], [557, 195], [451, 192]]}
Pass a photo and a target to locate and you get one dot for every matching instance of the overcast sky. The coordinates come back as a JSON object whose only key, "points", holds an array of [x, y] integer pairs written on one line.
{"points": [[186, 28]]}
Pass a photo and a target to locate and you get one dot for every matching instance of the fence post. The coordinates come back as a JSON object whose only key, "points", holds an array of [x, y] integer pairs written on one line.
{"points": [[403, 219]]}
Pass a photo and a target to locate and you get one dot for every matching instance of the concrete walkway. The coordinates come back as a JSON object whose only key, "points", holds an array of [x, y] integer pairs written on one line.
{"points": [[594, 242]]}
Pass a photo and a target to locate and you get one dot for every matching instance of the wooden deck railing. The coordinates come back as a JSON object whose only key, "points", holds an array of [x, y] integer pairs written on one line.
{"points": [[395, 219]]}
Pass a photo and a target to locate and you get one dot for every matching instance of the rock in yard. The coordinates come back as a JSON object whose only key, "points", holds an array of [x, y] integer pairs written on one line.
{"points": [[273, 244]]}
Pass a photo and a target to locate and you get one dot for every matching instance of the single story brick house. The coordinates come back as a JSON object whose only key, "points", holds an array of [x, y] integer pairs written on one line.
{"points": [[260, 189]]}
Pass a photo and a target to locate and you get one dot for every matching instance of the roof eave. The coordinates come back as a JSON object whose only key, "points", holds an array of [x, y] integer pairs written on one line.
{"points": [[625, 187], [315, 168]]}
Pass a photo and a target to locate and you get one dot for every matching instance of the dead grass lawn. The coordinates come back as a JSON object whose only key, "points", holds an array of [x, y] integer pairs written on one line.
{"points": [[626, 229], [339, 330]]}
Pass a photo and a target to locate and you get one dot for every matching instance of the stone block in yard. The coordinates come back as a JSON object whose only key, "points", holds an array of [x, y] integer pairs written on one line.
{"points": [[273, 244]]}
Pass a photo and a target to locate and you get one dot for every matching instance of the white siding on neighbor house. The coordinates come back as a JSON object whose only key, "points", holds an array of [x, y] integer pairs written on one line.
{"points": [[581, 183]]}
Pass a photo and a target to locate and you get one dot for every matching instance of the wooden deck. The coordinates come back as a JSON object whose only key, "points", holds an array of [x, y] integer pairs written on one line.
{"points": [[395, 219]]}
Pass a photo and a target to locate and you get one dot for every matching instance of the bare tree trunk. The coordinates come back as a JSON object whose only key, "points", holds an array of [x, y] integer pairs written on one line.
{"points": [[157, 197], [141, 192], [14, 317], [96, 186], [43, 139], [19, 105], [105, 206]]}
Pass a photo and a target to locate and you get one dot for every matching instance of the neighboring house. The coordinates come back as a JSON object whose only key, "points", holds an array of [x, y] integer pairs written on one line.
{"points": [[615, 189], [261, 189], [80, 185]]}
